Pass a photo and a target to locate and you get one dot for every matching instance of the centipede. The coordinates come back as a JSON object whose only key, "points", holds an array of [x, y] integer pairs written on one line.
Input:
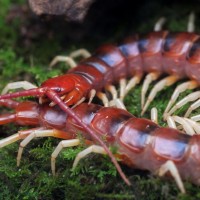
{"points": [[155, 54], [137, 140]]}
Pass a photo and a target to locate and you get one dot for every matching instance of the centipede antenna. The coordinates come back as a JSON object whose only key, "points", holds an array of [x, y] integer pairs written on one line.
{"points": [[191, 23], [159, 24]]}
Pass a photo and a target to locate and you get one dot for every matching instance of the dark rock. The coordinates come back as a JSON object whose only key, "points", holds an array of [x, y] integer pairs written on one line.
{"points": [[72, 10]]}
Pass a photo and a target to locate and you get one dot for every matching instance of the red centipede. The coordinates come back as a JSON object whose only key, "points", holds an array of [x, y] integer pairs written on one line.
{"points": [[140, 143], [156, 53]]}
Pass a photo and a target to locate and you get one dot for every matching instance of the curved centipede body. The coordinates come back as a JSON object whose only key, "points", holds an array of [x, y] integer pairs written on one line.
{"points": [[156, 53], [140, 143], [159, 52]]}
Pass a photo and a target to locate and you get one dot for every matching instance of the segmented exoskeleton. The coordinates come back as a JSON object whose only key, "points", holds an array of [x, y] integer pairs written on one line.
{"points": [[156, 53], [139, 142]]}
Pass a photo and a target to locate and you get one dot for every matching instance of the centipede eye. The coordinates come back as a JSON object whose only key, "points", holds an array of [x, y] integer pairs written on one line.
{"points": [[58, 89]]}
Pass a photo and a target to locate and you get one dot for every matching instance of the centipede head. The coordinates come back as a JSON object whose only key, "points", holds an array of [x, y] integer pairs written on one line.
{"points": [[61, 85]]}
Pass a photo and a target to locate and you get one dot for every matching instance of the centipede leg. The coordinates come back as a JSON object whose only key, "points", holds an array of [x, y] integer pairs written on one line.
{"points": [[158, 87], [66, 59], [189, 85], [122, 85], [85, 152], [194, 125], [171, 167], [191, 97], [16, 85], [159, 24], [192, 107], [70, 59], [130, 85], [40, 133], [187, 127], [191, 24], [79, 102], [17, 136], [112, 90], [184, 125], [117, 103], [103, 98], [195, 118], [92, 94], [154, 115], [84, 53], [61, 145], [147, 81], [171, 123]]}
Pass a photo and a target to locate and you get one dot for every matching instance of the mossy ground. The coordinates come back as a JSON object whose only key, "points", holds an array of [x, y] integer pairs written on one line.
{"points": [[95, 177]]}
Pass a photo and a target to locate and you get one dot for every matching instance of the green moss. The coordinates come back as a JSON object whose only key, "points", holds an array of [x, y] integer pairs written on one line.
{"points": [[95, 177]]}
